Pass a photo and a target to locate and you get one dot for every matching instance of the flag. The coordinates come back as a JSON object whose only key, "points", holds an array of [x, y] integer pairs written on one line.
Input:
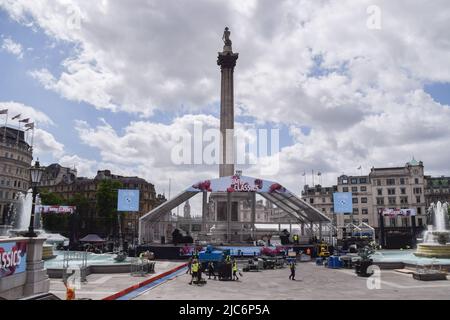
{"points": [[29, 126], [17, 117], [304, 173], [319, 173], [360, 167], [25, 120], [5, 111]]}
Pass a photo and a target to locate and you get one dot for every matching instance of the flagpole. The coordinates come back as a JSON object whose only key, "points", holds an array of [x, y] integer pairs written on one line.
{"points": [[313, 178], [304, 178], [6, 124], [32, 137], [18, 133]]}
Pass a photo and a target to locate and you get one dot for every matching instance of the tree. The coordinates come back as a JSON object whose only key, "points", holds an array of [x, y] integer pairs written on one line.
{"points": [[53, 222], [107, 204], [50, 199], [82, 220]]}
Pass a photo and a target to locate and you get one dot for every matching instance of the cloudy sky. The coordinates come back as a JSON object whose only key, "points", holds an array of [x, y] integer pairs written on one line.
{"points": [[109, 82]]}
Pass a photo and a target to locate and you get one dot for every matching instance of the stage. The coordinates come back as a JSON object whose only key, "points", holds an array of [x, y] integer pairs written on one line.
{"points": [[184, 251]]}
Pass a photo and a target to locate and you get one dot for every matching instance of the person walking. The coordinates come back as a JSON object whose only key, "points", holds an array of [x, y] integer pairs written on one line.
{"points": [[292, 268], [195, 267], [235, 270]]}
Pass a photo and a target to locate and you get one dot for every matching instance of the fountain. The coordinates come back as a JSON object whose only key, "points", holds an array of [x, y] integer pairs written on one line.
{"points": [[436, 240], [19, 215]]}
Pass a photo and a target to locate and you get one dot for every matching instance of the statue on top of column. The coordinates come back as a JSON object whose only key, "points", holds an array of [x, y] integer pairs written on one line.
{"points": [[226, 39]]}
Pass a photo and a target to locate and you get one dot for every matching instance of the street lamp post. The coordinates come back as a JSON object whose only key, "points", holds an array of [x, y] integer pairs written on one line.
{"points": [[36, 175]]}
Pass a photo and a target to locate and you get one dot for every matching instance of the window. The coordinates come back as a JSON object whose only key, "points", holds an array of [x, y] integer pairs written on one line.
{"points": [[324, 200], [365, 221], [355, 200], [390, 182], [403, 190], [311, 200], [418, 199], [354, 181], [391, 191], [363, 189], [354, 189], [392, 200], [380, 192], [405, 222], [420, 222], [417, 190], [355, 211], [378, 182], [419, 210], [363, 200], [380, 201], [416, 180], [363, 180], [402, 181], [365, 211], [345, 189], [392, 222], [403, 200]]}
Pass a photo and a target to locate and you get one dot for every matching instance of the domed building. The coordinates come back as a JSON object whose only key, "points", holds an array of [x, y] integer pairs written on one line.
{"points": [[16, 156]]}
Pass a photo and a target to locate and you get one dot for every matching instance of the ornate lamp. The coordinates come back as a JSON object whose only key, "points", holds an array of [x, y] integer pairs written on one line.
{"points": [[36, 175]]}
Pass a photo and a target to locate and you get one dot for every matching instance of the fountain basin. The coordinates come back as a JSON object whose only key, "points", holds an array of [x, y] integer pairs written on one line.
{"points": [[433, 250]]}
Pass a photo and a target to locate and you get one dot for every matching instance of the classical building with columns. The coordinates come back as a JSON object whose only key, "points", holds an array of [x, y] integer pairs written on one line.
{"points": [[15, 160]]}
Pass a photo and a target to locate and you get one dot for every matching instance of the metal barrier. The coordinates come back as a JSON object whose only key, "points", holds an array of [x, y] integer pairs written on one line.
{"points": [[141, 267], [69, 270]]}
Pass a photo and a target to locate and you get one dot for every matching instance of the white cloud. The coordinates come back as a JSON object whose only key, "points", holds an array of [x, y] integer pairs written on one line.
{"points": [[302, 63], [45, 143], [12, 47], [85, 167]]}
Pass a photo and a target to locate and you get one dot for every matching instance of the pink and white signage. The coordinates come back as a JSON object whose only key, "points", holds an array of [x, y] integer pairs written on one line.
{"points": [[399, 212], [237, 184]]}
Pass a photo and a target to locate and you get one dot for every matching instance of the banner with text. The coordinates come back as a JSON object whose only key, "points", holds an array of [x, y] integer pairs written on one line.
{"points": [[56, 209], [399, 212], [13, 258]]}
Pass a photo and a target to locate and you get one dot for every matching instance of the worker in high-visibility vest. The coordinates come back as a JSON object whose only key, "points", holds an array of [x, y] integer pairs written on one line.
{"points": [[235, 270], [292, 268], [195, 268]]}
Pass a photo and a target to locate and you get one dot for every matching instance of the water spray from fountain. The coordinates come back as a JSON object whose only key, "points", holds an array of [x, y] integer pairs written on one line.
{"points": [[436, 239]]}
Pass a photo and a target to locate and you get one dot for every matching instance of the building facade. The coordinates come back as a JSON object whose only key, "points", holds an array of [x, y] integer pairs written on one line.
{"points": [[321, 198], [437, 189], [400, 188], [55, 174], [361, 190], [16, 156], [383, 188], [66, 185]]}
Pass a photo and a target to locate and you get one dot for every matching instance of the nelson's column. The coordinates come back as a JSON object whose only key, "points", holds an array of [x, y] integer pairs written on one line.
{"points": [[228, 225], [227, 61]]}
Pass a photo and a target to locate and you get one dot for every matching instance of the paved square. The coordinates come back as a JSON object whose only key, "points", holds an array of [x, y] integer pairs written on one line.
{"points": [[99, 286], [314, 282]]}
